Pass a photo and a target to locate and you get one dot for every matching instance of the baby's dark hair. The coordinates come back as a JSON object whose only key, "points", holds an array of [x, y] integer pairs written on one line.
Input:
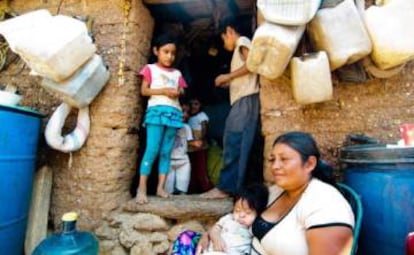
{"points": [[163, 39], [256, 195]]}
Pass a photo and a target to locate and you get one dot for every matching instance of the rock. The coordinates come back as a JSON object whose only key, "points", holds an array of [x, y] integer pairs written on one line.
{"points": [[129, 238], [111, 247], [142, 249], [106, 247], [150, 222], [117, 220], [182, 207], [161, 248], [119, 250], [138, 221], [106, 232], [158, 237]]}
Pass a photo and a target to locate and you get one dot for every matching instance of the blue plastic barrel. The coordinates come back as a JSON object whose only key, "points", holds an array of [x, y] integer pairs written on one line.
{"points": [[19, 134], [384, 178]]}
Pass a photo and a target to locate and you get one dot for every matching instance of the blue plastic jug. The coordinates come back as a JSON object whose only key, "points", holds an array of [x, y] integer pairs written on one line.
{"points": [[69, 241]]}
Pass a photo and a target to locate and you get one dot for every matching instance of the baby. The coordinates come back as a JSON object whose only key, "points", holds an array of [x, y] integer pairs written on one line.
{"points": [[231, 233]]}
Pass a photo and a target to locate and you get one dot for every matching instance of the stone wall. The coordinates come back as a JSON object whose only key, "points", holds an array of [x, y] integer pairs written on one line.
{"points": [[99, 177], [375, 108], [150, 229]]}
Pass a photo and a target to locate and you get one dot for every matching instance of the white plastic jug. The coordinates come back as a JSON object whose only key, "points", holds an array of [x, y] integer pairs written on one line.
{"points": [[58, 49], [311, 78], [392, 32], [18, 29], [272, 47], [259, 18], [288, 12], [340, 32], [81, 88]]}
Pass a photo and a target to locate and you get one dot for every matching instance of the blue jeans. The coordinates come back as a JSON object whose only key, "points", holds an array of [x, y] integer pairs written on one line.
{"points": [[239, 133], [160, 140]]}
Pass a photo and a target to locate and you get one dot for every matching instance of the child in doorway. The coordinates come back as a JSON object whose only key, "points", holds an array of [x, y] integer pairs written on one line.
{"points": [[198, 122], [178, 177], [231, 233], [243, 119], [163, 85]]}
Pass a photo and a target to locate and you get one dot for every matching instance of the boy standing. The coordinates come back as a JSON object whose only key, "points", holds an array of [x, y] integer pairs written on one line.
{"points": [[242, 120]]}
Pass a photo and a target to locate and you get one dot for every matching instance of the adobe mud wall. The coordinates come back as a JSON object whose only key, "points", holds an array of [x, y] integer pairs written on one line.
{"points": [[375, 108], [100, 174]]}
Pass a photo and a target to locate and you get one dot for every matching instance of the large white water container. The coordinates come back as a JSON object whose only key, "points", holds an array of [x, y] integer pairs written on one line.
{"points": [[340, 32], [272, 47], [17, 29], [392, 32], [81, 88], [58, 49], [311, 78], [288, 12], [259, 18]]}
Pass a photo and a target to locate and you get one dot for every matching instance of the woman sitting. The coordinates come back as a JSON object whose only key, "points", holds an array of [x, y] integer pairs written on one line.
{"points": [[306, 213]]}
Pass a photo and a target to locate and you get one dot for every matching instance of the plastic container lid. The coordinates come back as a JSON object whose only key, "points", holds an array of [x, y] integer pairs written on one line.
{"points": [[21, 109], [376, 154], [70, 216]]}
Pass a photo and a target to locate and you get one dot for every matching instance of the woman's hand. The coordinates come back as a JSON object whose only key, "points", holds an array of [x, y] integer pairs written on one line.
{"points": [[218, 243], [215, 237], [202, 244]]}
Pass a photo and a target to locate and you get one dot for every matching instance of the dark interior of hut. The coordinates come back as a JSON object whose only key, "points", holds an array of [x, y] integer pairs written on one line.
{"points": [[201, 57]]}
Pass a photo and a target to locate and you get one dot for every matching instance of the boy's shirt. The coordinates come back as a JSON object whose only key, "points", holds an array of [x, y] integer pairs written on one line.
{"points": [[244, 85]]}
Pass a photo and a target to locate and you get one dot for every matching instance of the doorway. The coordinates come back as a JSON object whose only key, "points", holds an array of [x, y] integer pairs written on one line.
{"points": [[201, 57]]}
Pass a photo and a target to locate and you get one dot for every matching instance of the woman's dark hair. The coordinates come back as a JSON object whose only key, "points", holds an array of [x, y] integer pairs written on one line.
{"points": [[306, 146], [163, 39], [256, 195]]}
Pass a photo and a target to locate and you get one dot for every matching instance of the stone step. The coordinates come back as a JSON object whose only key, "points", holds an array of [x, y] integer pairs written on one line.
{"points": [[182, 207]]}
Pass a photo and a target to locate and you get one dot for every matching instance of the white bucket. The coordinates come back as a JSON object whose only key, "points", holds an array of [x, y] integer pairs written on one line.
{"points": [[58, 49], [340, 32], [82, 87], [18, 29], [272, 47], [392, 33], [311, 78], [288, 12]]}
